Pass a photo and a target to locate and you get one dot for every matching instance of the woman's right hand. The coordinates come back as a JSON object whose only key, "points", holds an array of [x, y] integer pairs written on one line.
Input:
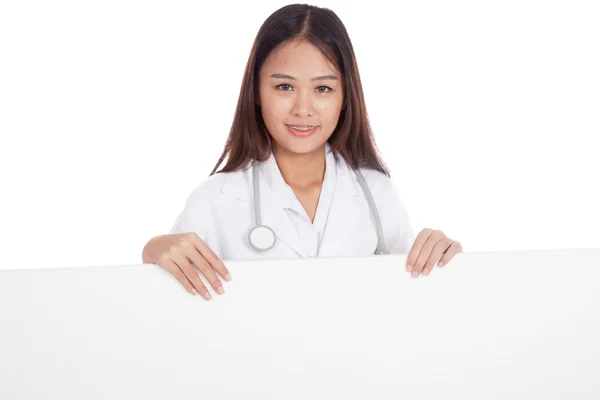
{"points": [[179, 253]]}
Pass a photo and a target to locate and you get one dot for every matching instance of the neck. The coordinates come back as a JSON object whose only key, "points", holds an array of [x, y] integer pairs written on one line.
{"points": [[301, 170]]}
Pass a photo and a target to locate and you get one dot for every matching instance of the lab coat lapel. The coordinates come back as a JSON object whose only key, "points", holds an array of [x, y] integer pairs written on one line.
{"points": [[240, 186], [275, 217], [344, 214]]}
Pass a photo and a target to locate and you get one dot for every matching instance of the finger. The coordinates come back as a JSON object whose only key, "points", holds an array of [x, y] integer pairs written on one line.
{"points": [[205, 268], [188, 270], [425, 253], [174, 270], [191, 254], [215, 262], [438, 251], [416, 248], [454, 248]]}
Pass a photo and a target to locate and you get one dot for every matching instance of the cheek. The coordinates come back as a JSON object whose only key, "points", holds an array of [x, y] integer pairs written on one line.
{"points": [[274, 108], [329, 110]]}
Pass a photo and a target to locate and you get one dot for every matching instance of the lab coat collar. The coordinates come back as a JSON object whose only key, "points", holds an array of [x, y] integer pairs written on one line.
{"points": [[239, 184], [344, 212]]}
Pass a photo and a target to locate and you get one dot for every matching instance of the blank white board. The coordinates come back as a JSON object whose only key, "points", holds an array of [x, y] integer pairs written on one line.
{"points": [[518, 325]]}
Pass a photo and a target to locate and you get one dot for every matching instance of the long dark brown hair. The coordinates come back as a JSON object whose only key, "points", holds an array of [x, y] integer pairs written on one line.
{"points": [[352, 138]]}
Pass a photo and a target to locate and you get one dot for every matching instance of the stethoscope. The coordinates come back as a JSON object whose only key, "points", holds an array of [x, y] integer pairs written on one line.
{"points": [[262, 238]]}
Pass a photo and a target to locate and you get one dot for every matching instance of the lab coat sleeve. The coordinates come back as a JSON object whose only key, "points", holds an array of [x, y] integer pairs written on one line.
{"points": [[195, 216], [198, 214], [398, 231]]}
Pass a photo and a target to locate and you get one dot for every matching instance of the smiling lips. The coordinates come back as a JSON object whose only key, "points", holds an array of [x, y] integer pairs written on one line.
{"points": [[302, 130]]}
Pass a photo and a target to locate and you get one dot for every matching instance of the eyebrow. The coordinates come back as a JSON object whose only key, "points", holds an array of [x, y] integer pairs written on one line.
{"points": [[318, 78]]}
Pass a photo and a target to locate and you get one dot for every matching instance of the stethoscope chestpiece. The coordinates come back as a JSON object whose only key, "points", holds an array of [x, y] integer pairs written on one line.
{"points": [[261, 238]]}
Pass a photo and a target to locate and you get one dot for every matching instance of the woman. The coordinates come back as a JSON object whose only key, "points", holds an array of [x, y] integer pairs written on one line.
{"points": [[303, 177]]}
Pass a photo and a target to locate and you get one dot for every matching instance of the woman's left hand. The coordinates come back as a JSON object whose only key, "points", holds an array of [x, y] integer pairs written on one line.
{"points": [[427, 249]]}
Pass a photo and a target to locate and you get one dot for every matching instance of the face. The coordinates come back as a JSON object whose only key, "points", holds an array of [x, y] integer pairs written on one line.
{"points": [[300, 95]]}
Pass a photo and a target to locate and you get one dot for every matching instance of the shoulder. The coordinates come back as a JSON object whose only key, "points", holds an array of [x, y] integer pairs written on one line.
{"points": [[397, 225], [376, 178], [220, 184], [204, 191], [383, 188], [373, 177], [203, 201], [212, 191]]}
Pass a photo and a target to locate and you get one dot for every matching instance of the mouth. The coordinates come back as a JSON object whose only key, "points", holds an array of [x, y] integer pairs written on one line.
{"points": [[302, 130]]}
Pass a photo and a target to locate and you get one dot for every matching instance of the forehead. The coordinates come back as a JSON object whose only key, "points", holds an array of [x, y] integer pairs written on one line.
{"points": [[298, 58]]}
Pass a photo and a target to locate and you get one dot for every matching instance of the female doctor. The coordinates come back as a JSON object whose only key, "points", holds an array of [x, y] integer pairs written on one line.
{"points": [[303, 177]]}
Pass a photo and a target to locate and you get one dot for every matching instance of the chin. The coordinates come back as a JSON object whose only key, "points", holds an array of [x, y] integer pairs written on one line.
{"points": [[301, 145]]}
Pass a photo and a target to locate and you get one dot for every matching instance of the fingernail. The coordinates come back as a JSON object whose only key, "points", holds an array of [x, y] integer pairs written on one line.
{"points": [[440, 264], [208, 296], [415, 274], [228, 277], [408, 268], [220, 289], [425, 272], [194, 292]]}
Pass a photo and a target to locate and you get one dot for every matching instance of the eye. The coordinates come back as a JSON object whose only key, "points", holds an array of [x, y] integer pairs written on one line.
{"points": [[327, 89], [283, 86]]}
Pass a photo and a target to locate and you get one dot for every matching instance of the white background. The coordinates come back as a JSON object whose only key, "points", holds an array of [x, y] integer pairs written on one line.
{"points": [[112, 112]]}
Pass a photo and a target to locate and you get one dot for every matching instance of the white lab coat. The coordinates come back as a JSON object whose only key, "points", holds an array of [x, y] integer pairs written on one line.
{"points": [[221, 211]]}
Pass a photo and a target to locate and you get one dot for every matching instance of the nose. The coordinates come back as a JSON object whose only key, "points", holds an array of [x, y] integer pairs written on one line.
{"points": [[303, 105]]}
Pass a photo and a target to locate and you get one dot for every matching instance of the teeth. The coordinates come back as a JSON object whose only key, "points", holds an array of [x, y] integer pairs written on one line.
{"points": [[302, 128]]}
